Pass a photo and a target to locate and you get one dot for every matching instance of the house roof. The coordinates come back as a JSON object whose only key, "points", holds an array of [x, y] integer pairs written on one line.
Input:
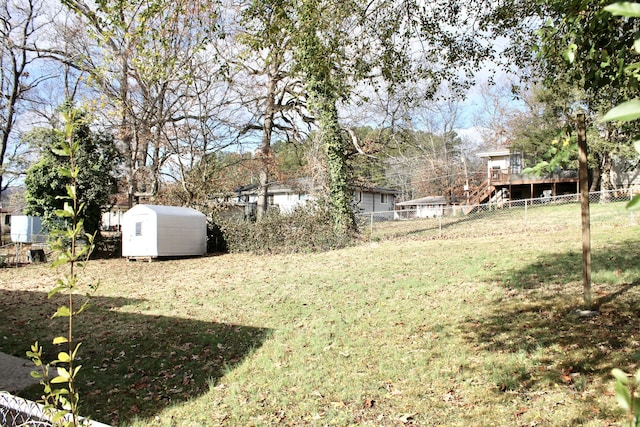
{"points": [[304, 186], [429, 200], [495, 153], [374, 189]]}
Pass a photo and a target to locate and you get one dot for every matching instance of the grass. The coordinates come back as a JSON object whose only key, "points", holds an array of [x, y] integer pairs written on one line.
{"points": [[517, 219], [409, 331]]}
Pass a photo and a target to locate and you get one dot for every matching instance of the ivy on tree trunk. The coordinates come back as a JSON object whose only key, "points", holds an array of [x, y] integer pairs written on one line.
{"points": [[317, 59], [339, 194]]}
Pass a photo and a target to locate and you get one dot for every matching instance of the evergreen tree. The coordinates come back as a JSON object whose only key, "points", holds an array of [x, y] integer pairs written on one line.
{"points": [[96, 160]]}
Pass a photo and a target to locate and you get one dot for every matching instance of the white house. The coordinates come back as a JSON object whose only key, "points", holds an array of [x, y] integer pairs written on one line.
{"points": [[506, 180], [374, 199], [424, 207], [502, 163], [151, 231], [112, 219], [281, 196], [287, 197]]}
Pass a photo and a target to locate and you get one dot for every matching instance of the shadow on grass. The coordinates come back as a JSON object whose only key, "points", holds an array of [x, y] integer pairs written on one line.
{"points": [[539, 319], [565, 267], [434, 228], [428, 227], [134, 365]]}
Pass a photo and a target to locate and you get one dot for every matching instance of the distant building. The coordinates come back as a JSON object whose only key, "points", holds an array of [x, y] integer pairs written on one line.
{"points": [[287, 196], [506, 181], [424, 207], [11, 203]]}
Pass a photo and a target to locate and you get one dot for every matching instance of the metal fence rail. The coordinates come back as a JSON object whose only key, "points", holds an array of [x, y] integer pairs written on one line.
{"points": [[18, 412], [15, 411], [507, 217]]}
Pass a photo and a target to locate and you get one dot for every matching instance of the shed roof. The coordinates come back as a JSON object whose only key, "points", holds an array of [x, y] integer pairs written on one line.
{"points": [[168, 210]]}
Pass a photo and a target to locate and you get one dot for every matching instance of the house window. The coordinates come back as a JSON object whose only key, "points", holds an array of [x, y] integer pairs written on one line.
{"points": [[516, 163], [384, 198], [7, 219], [138, 229], [270, 200], [495, 172]]}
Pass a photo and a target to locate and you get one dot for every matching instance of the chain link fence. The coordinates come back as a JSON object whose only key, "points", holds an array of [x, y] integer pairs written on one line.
{"points": [[507, 217], [15, 411], [18, 412]]}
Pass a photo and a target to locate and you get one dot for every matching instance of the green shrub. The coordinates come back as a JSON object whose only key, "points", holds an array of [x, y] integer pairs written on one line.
{"points": [[627, 395], [306, 229]]}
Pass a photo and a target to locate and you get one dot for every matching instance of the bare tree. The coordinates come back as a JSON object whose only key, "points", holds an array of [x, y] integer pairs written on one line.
{"points": [[140, 58], [260, 52], [206, 129], [20, 28], [498, 109], [425, 155]]}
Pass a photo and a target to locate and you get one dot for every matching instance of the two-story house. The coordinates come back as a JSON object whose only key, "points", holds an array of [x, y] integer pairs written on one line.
{"points": [[505, 180]]}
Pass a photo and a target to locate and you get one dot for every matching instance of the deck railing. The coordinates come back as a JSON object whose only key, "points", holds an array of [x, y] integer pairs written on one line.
{"points": [[504, 176]]}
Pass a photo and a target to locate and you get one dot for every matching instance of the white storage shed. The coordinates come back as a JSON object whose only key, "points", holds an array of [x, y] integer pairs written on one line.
{"points": [[151, 231], [27, 229]]}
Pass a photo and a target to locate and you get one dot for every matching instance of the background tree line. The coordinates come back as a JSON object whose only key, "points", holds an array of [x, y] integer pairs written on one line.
{"points": [[198, 97]]}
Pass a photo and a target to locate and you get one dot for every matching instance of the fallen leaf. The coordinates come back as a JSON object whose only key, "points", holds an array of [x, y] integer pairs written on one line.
{"points": [[406, 418]]}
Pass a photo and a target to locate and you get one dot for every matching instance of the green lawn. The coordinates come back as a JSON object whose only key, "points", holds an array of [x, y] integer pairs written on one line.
{"points": [[410, 331]]}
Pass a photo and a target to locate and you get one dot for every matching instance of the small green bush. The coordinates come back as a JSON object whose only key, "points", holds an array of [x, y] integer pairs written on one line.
{"points": [[306, 229], [627, 395]]}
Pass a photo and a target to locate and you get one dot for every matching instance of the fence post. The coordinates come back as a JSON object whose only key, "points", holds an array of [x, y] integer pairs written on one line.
{"points": [[633, 218], [440, 226], [371, 227], [525, 215]]}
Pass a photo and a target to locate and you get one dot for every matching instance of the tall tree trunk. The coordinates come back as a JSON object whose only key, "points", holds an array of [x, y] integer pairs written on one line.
{"points": [[156, 160], [323, 83], [339, 195], [126, 134], [585, 210], [16, 72], [155, 170], [597, 173], [605, 182], [3, 151], [265, 149]]}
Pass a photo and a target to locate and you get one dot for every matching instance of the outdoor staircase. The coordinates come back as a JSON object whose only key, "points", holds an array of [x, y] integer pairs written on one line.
{"points": [[479, 196]]}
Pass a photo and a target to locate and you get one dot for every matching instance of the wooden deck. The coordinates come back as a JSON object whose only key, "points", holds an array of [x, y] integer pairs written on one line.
{"points": [[520, 186]]}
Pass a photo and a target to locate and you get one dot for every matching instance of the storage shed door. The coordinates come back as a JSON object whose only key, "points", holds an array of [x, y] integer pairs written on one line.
{"points": [[141, 237]]}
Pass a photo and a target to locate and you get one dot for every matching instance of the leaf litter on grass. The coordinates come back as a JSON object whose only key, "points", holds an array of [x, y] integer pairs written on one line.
{"points": [[410, 332]]}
